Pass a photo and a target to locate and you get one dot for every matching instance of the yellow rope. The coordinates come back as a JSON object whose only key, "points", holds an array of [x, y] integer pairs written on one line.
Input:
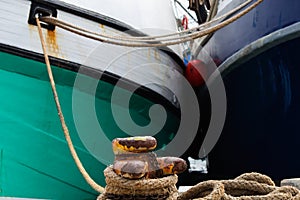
{"points": [[86, 176], [137, 42]]}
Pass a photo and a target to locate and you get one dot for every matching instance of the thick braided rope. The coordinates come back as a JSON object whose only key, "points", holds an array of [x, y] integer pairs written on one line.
{"points": [[121, 188], [260, 178], [143, 191], [113, 179], [117, 193], [204, 191], [171, 197], [245, 187], [249, 186]]}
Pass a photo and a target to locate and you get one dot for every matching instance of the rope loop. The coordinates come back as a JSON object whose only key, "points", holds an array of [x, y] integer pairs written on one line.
{"points": [[204, 191], [260, 178], [118, 187], [249, 186], [111, 178]]}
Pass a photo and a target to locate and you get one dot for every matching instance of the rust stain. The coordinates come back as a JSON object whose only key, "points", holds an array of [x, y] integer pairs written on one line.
{"points": [[52, 45], [31, 29], [50, 40], [102, 27]]}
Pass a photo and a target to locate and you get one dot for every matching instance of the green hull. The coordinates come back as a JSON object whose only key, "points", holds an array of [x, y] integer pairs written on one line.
{"points": [[35, 161]]}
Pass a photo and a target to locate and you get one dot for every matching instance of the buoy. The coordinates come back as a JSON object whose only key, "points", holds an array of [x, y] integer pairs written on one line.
{"points": [[184, 22], [196, 72]]}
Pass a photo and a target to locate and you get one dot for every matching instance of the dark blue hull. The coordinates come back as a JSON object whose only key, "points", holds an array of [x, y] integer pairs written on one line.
{"points": [[262, 127], [262, 83], [267, 17]]}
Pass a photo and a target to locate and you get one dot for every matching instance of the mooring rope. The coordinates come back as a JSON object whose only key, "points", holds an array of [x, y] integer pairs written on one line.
{"points": [[118, 187], [182, 34], [81, 168], [248, 186], [152, 41]]}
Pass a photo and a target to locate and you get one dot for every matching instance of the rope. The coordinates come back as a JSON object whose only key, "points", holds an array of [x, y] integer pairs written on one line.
{"points": [[122, 188], [56, 21], [149, 41], [249, 186], [84, 173]]}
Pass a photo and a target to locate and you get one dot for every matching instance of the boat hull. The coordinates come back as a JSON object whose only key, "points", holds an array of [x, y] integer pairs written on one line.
{"points": [[261, 132], [267, 17], [35, 161], [258, 59]]}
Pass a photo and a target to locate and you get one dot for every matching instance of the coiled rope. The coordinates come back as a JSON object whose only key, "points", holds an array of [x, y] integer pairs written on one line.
{"points": [[122, 188], [156, 41], [249, 186]]}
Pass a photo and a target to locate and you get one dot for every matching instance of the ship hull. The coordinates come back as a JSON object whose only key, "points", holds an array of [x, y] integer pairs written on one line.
{"points": [[258, 60], [35, 161]]}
